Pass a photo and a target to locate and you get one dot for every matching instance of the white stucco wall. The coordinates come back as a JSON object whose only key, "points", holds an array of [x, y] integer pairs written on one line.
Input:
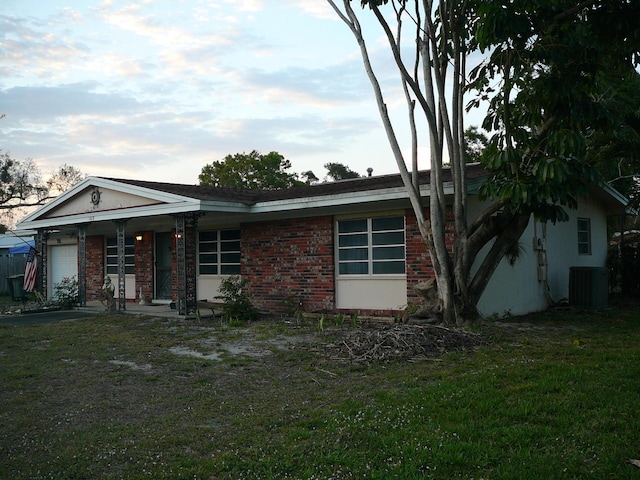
{"points": [[208, 287], [109, 200], [517, 289], [376, 292], [129, 286]]}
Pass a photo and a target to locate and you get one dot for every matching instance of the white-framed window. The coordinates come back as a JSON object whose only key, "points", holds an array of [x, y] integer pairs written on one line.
{"points": [[584, 236], [371, 246], [219, 252], [129, 255]]}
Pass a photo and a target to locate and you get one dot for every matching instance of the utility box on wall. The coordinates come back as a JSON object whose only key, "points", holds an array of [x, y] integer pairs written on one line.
{"points": [[589, 287]]}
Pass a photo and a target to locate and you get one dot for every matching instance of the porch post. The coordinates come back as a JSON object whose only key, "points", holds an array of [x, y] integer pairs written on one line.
{"points": [[186, 262], [41, 246], [82, 264], [122, 295]]}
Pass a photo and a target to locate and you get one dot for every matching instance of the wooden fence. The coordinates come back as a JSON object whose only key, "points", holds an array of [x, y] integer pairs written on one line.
{"points": [[10, 266]]}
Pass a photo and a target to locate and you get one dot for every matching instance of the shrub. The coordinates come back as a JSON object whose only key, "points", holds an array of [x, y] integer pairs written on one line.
{"points": [[237, 299], [65, 293]]}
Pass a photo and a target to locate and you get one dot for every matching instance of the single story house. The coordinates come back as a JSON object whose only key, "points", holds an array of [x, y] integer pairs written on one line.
{"points": [[347, 246]]}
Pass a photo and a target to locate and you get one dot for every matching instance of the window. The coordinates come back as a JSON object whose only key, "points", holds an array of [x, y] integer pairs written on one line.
{"points": [[371, 246], [219, 252], [584, 236], [129, 255]]}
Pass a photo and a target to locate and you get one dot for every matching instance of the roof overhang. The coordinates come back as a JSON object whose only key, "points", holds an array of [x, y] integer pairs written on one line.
{"points": [[613, 201], [154, 207]]}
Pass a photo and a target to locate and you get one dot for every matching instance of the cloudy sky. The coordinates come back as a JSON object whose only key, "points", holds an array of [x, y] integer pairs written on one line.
{"points": [[156, 89]]}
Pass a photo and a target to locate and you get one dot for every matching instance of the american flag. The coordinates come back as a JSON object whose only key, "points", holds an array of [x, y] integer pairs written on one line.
{"points": [[31, 270]]}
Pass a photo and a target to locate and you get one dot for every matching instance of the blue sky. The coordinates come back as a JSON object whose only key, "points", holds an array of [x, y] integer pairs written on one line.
{"points": [[156, 89]]}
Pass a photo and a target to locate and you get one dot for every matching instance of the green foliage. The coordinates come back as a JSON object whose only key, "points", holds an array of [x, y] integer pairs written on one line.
{"points": [[65, 293], [544, 83], [309, 177], [250, 171], [236, 299], [475, 143], [256, 171], [614, 151], [373, 3], [338, 171]]}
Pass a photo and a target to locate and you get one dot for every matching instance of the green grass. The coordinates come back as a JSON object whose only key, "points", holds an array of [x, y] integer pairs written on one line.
{"points": [[551, 396]]}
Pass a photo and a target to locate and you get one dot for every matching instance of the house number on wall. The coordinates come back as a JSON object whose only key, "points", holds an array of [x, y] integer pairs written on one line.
{"points": [[95, 196]]}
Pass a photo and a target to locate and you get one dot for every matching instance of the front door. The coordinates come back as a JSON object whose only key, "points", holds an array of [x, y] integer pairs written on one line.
{"points": [[164, 256]]}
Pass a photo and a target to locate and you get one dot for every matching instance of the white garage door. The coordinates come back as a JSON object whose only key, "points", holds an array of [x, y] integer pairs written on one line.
{"points": [[63, 262]]}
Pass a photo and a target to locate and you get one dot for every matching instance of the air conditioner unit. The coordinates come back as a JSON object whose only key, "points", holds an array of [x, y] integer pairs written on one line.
{"points": [[589, 286]]}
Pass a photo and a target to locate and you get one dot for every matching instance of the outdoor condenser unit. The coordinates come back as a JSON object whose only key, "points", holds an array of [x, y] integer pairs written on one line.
{"points": [[589, 286]]}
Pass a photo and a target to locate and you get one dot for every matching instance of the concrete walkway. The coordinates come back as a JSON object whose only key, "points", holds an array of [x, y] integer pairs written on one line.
{"points": [[154, 309], [40, 317]]}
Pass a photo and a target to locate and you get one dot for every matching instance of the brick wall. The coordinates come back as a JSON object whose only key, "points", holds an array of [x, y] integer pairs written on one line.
{"points": [[285, 261], [95, 266], [419, 266], [290, 261], [174, 266], [144, 265]]}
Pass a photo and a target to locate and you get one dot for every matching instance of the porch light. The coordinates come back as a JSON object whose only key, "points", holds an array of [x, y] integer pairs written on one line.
{"points": [[138, 238], [178, 235]]}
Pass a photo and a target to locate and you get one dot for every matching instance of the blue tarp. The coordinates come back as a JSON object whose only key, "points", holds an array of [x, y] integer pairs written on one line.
{"points": [[23, 248]]}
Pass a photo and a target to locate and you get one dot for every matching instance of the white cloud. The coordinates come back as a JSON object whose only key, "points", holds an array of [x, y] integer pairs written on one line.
{"points": [[315, 8], [156, 89], [246, 5], [28, 51]]}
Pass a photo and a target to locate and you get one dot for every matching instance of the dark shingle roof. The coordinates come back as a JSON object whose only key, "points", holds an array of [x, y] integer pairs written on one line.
{"points": [[251, 197]]}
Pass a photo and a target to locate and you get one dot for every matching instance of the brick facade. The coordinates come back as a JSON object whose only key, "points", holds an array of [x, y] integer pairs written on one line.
{"points": [[418, 261], [95, 266], [290, 261], [144, 265], [96, 250], [287, 262], [419, 266]]}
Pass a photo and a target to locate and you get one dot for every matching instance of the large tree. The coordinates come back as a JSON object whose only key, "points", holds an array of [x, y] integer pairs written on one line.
{"points": [[250, 170], [616, 151], [338, 171], [65, 177], [475, 144], [264, 172], [541, 89], [22, 187], [20, 184]]}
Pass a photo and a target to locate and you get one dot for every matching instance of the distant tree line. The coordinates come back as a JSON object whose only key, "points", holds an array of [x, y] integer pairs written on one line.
{"points": [[270, 171]]}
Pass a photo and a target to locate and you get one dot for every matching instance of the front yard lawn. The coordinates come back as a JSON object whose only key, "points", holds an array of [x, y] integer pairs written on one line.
{"points": [[548, 396]]}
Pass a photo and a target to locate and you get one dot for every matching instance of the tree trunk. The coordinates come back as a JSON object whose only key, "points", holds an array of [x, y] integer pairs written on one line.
{"points": [[507, 230], [440, 42]]}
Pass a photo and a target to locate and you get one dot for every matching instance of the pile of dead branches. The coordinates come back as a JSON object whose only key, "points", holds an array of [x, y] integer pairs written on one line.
{"points": [[400, 341]]}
